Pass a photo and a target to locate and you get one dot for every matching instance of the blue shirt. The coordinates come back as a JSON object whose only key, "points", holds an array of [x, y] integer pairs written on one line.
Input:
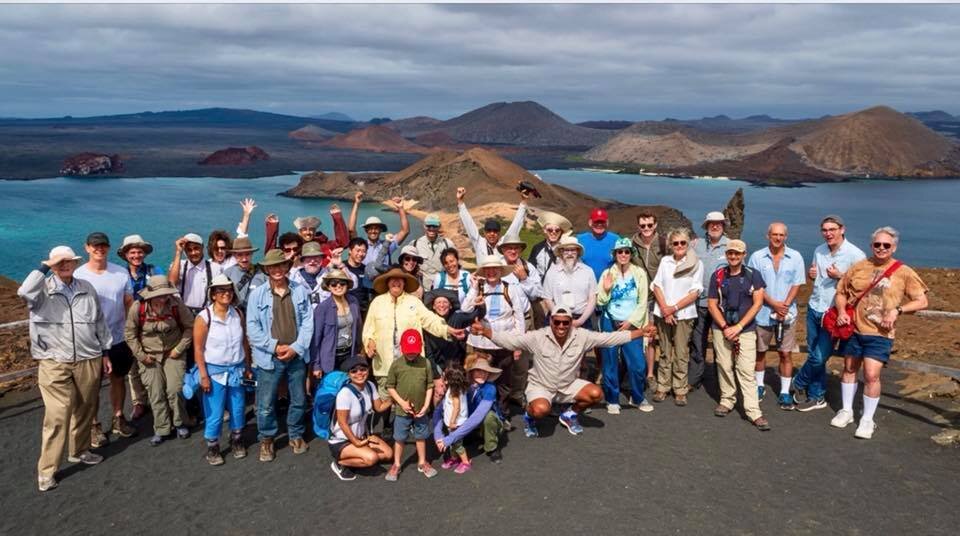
{"points": [[596, 251], [143, 273], [376, 253], [824, 286], [779, 282], [713, 257], [623, 299]]}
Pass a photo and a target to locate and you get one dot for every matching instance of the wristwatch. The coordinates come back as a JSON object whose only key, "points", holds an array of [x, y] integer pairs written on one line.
{"points": [[899, 310]]}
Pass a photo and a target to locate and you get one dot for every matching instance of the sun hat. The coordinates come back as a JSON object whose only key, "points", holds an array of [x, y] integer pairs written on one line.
{"points": [[411, 342], [410, 251], [566, 242], [599, 214], [157, 285], [243, 245], [131, 241], [335, 274], [479, 362], [449, 294], [410, 283], [622, 243], [306, 221], [353, 362], [492, 224], [97, 239], [432, 219], [494, 261], [552, 218], [714, 216], [511, 240], [737, 245], [561, 310], [193, 237], [221, 280], [312, 249], [61, 253], [274, 256], [373, 220]]}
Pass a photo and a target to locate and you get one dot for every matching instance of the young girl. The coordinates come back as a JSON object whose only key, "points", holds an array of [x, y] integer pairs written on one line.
{"points": [[455, 414]]}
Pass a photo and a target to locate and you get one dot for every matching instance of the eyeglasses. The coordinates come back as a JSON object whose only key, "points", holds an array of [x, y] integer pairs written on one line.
{"points": [[827, 230], [560, 323], [337, 283], [734, 254], [291, 250], [884, 245], [312, 259], [679, 242], [646, 225], [570, 250], [624, 251]]}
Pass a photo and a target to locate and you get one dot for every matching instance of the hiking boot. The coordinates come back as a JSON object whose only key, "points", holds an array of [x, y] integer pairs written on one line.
{"points": [[343, 473], [97, 437], [393, 474], [571, 423], [237, 447], [139, 410], [299, 446], [762, 424], [46, 483], [267, 452], [786, 402], [121, 427], [721, 411], [213, 454], [613, 409], [507, 425], [427, 470], [811, 404], [530, 427], [680, 400], [659, 396], [495, 455], [86, 457], [842, 418], [865, 429], [645, 406]]}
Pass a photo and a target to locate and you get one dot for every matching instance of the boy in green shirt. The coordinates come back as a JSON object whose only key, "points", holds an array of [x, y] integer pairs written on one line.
{"points": [[410, 384]]}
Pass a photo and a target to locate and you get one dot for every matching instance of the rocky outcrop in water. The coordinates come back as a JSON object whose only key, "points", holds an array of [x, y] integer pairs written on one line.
{"points": [[235, 156], [91, 164]]}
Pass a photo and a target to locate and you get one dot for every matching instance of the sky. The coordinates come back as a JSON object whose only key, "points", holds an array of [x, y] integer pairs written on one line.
{"points": [[585, 62]]}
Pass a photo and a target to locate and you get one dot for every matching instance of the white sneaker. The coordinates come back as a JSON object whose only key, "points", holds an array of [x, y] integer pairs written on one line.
{"points": [[46, 483], [842, 418], [86, 457], [645, 406], [865, 430], [613, 409]]}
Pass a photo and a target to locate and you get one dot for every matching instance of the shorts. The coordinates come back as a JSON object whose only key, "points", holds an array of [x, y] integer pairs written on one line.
{"points": [[337, 448], [564, 395], [121, 359], [875, 347], [403, 424], [766, 341]]}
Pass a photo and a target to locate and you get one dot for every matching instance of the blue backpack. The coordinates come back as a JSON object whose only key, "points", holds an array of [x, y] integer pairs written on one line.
{"points": [[325, 401]]}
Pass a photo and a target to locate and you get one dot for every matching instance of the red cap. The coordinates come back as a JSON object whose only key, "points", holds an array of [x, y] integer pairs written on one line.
{"points": [[598, 214], [411, 342]]}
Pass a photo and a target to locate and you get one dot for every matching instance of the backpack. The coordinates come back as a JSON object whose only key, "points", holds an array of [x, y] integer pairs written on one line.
{"points": [[464, 284], [505, 293], [325, 401], [142, 315]]}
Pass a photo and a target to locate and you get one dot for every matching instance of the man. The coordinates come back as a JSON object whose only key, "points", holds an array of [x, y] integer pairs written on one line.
{"points": [[356, 253], [65, 315], [115, 292], [244, 275], [191, 275], [307, 229], [557, 352], [554, 227], [783, 271], [597, 243], [379, 248], [487, 244], [734, 298], [711, 250], [311, 273], [571, 283], [429, 246], [134, 251], [649, 247], [830, 261], [279, 327], [291, 245], [525, 277]]}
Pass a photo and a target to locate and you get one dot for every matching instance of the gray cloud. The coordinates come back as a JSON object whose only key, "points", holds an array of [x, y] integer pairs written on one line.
{"points": [[583, 61]]}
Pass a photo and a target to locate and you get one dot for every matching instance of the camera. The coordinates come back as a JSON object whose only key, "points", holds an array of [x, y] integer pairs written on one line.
{"points": [[524, 186], [732, 316]]}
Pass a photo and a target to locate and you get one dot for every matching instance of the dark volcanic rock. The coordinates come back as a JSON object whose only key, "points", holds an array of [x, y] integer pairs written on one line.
{"points": [[235, 156], [91, 164], [734, 214]]}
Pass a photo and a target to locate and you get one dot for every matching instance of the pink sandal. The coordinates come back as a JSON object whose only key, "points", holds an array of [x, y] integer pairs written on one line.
{"points": [[463, 467]]}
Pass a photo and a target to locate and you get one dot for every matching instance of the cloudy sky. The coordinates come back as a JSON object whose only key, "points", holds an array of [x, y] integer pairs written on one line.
{"points": [[583, 61]]}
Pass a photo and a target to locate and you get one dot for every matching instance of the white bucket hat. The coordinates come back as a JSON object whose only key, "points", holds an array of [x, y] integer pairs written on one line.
{"points": [[715, 216], [59, 254], [566, 242], [373, 220], [134, 240]]}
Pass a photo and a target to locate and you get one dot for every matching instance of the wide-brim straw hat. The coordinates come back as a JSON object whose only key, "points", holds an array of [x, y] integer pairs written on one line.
{"points": [[243, 245], [306, 221], [566, 242], [157, 285], [134, 241], [221, 280], [552, 218], [335, 274], [511, 240], [274, 256], [494, 261], [373, 220], [479, 362], [410, 284], [312, 249]]}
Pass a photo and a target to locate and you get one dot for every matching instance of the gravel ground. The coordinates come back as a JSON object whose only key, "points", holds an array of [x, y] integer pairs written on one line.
{"points": [[676, 470]]}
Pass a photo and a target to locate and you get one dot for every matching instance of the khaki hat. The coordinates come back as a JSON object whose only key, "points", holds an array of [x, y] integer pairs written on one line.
{"points": [[481, 362], [552, 218], [312, 249], [243, 245], [312, 222], [373, 220], [274, 256], [221, 280], [737, 245], [410, 283], [61, 253], [157, 285], [335, 275], [410, 251], [134, 241], [714, 216], [566, 242], [511, 240], [193, 237], [494, 261]]}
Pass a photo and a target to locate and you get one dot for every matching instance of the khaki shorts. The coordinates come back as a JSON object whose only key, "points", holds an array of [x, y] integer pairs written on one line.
{"points": [[564, 395], [766, 341]]}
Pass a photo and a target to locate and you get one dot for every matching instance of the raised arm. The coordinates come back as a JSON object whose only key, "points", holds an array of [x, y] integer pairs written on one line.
{"points": [[31, 290], [247, 205], [173, 275], [404, 222], [469, 226], [517, 224], [340, 233], [352, 224]]}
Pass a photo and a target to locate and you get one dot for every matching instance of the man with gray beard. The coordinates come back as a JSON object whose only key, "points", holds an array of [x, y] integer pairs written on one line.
{"points": [[570, 283]]}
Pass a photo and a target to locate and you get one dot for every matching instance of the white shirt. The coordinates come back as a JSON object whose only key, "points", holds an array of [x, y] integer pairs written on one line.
{"points": [[532, 286], [194, 279], [501, 316], [450, 283], [448, 409], [112, 284], [570, 289], [224, 344], [675, 288], [480, 245], [357, 420]]}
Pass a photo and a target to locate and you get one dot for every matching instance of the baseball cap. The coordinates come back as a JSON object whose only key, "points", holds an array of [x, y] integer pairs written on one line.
{"points": [[598, 214], [492, 225], [834, 218], [561, 310], [97, 239], [411, 342], [737, 245], [193, 237], [432, 219]]}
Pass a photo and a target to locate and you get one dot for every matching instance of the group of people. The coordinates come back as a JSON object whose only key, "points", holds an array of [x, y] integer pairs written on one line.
{"points": [[420, 346]]}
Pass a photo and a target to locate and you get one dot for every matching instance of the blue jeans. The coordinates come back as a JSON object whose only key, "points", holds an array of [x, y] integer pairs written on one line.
{"points": [[636, 366], [214, 403], [267, 381], [813, 374]]}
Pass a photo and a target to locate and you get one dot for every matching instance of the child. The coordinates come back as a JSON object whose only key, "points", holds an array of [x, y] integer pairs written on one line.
{"points": [[483, 413], [410, 384], [455, 414]]}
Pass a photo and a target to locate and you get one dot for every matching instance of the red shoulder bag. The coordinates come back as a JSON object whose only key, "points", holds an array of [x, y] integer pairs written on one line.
{"points": [[844, 332]]}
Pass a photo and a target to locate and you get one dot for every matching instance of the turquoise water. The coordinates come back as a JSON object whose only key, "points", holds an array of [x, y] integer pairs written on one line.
{"points": [[37, 215], [924, 211]]}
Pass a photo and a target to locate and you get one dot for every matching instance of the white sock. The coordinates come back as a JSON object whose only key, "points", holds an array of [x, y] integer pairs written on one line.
{"points": [[869, 407], [759, 376], [785, 385], [847, 392]]}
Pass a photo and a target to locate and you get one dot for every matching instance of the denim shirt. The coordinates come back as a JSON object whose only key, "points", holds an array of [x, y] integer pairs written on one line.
{"points": [[713, 257], [791, 273], [144, 271], [260, 322], [824, 286]]}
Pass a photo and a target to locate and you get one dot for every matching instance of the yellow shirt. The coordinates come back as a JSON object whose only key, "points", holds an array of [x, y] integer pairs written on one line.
{"points": [[388, 319]]}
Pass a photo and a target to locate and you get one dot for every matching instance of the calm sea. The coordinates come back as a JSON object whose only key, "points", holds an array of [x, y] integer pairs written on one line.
{"points": [[37, 215]]}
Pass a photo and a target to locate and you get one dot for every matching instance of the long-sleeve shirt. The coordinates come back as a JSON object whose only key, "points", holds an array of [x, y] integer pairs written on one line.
{"points": [[388, 318], [674, 287], [341, 236], [501, 314], [160, 333], [532, 286], [480, 401], [481, 247], [260, 324]]}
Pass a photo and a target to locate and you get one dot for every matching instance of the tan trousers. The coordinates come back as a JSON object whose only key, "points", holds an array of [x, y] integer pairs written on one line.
{"points": [[674, 355], [163, 382], [70, 394], [521, 367], [740, 369], [138, 394]]}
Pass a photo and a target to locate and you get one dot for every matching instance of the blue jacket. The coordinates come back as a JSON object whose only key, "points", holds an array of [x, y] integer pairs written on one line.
{"points": [[191, 381], [260, 322], [323, 347]]}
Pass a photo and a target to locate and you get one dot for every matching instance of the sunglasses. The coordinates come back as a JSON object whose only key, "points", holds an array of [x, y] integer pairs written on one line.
{"points": [[883, 245], [224, 290], [358, 370], [291, 250], [312, 259], [624, 251], [410, 259], [220, 248], [432, 227], [552, 230], [337, 283], [560, 323], [679, 242], [646, 225]]}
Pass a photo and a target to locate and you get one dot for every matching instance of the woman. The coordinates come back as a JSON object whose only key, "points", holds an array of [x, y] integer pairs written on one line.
{"points": [[218, 249], [482, 409], [622, 293], [410, 262], [676, 287], [336, 324], [452, 277], [876, 288], [158, 331], [351, 443], [223, 360], [439, 351]]}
